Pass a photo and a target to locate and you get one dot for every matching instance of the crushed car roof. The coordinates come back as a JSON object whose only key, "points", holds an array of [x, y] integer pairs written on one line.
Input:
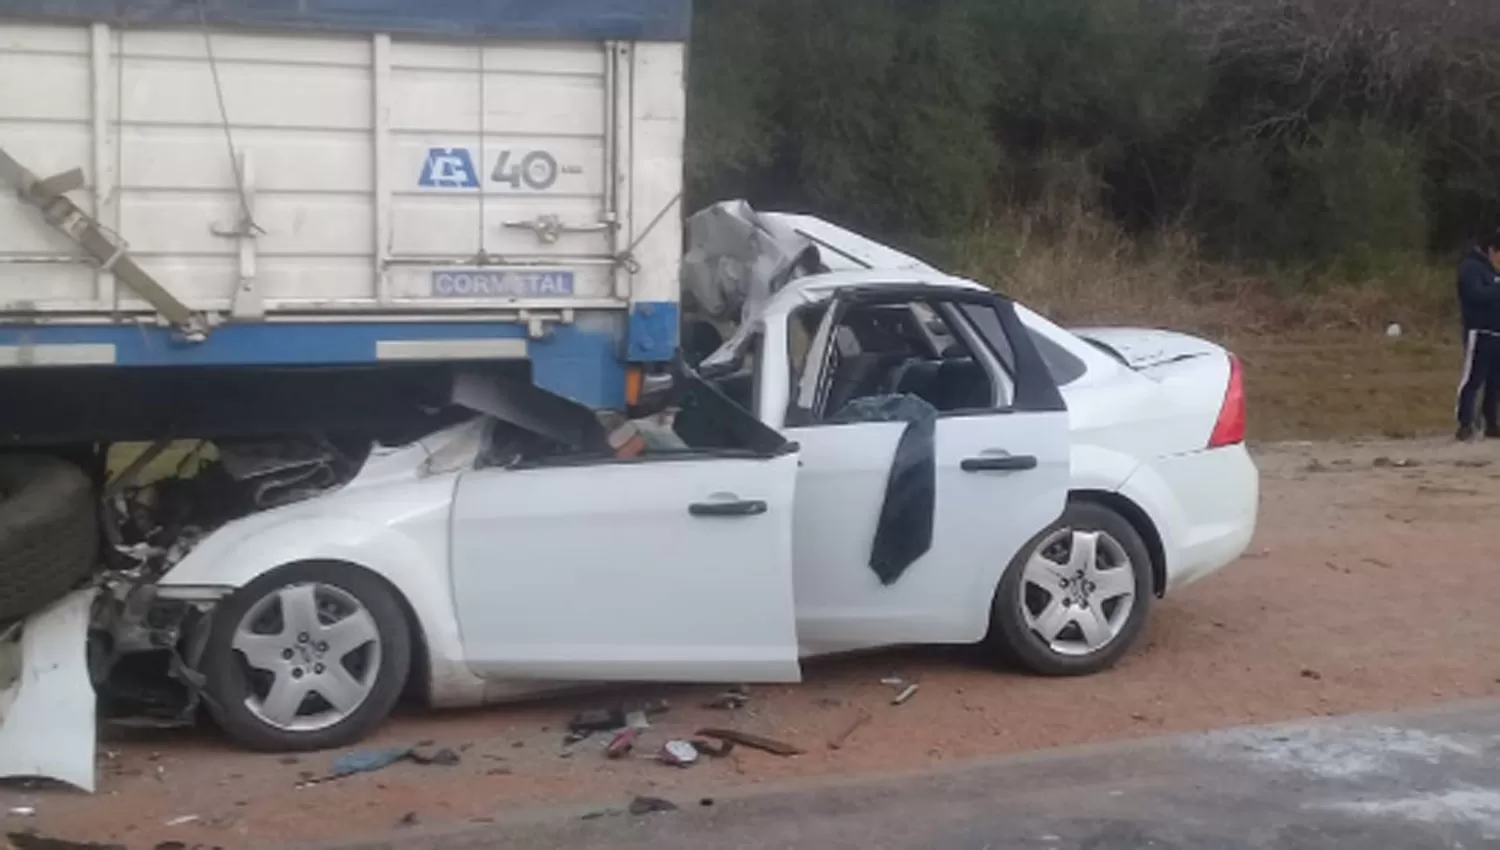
{"points": [[817, 287], [845, 250]]}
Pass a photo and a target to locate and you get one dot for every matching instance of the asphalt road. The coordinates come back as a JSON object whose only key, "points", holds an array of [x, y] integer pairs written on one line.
{"points": [[1411, 781]]}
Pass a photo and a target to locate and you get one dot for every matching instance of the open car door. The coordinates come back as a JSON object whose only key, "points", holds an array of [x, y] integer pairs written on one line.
{"points": [[671, 567], [935, 445]]}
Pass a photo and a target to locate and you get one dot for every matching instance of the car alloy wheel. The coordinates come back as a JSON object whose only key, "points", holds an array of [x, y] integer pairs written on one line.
{"points": [[312, 654], [307, 656], [1078, 591], [1075, 598]]}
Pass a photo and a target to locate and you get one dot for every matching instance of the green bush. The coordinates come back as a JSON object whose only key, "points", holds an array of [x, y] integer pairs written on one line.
{"points": [[1360, 190], [1315, 135]]}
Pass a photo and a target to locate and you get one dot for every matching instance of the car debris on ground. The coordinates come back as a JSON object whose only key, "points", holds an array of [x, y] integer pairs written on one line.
{"points": [[31, 841], [367, 761], [754, 742], [371, 761], [732, 699], [622, 743], [596, 720], [47, 718], [616, 717], [712, 748], [679, 754], [906, 693], [444, 757], [651, 805], [838, 741]]}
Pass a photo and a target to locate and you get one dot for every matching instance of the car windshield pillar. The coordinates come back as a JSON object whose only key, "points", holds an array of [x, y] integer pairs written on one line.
{"points": [[773, 373]]}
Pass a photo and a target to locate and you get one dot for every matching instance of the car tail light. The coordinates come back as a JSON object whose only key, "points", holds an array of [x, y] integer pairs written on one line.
{"points": [[1229, 430]]}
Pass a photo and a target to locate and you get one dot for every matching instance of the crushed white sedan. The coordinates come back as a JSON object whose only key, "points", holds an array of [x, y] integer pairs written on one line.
{"points": [[878, 454]]}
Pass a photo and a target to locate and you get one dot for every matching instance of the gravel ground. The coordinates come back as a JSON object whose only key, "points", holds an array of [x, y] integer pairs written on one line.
{"points": [[1369, 588]]}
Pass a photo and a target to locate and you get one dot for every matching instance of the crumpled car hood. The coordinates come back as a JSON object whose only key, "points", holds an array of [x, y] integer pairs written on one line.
{"points": [[738, 258]]}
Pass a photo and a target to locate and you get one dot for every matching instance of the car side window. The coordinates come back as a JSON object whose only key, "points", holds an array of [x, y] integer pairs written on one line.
{"points": [[914, 348], [1061, 364], [987, 323]]}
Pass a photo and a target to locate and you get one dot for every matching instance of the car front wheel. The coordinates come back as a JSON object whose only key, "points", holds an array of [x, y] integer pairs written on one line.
{"points": [[1076, 597], [307, 657]]}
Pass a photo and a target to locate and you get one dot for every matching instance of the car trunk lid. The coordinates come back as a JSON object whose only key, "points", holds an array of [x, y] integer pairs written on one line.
{"points": [[1146, 350]]}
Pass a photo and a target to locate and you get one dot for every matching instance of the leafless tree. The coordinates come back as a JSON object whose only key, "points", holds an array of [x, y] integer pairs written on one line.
{"points": [[1425, 61]]}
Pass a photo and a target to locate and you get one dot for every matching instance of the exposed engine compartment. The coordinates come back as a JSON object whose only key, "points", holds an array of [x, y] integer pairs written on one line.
{"points": [[152, 522], [143, 650]]}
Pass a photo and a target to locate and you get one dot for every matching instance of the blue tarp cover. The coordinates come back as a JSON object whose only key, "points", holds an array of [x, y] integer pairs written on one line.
{"points": [[644, 20]]}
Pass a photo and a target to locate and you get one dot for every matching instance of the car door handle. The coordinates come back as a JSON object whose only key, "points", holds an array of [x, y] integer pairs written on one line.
{"points": [[999, 463], [744, 508]]}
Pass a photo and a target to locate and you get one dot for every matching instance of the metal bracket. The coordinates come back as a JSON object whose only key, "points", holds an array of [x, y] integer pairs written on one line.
{"points": [[536, 325], [246, 302], [98, 241], [549, 228], [61, 184]]}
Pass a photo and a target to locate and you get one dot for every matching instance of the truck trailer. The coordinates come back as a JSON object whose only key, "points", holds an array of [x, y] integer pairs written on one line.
{"points": [[240, 217]]}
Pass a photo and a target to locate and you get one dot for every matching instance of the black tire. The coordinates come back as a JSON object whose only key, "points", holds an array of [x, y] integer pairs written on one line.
{"points": [[229, 678], [49, 532], [1013, 641]]}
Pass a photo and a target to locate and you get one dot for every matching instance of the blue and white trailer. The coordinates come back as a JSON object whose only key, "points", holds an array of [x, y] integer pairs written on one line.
{"points": [[243, 210]]}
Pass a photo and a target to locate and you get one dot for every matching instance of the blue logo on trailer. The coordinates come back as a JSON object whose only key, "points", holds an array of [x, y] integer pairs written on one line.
{"points": [[449, 168]]}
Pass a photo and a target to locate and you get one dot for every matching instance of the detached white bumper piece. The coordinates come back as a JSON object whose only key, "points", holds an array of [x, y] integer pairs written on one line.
{"points": [[47, 702]]}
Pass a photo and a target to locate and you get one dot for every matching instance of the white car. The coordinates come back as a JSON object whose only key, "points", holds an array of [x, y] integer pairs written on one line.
{"points": [[1140, 403], [1043, 491]]}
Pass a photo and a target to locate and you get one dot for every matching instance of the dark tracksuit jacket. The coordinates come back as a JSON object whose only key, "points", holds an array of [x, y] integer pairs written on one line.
{"points": [[1479, 301]]}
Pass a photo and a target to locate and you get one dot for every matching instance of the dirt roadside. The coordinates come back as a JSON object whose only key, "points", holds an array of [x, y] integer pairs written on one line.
{"points": [[1370, 587]]}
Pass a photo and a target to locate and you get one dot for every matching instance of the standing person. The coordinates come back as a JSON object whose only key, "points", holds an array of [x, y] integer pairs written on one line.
{"points": [[1479, 301]]}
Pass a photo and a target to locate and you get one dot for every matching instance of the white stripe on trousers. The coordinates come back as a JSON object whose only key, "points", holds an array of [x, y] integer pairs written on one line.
{"points": [[1470, 345], [1471, 348]]}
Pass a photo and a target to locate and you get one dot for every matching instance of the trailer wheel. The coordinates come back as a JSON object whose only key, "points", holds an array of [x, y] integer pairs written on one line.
{"points": [[49, 532]]}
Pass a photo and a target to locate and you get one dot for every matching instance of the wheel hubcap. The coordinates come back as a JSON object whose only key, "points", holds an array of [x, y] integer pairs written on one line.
{"points": [[1077, 591], [311, 653]]}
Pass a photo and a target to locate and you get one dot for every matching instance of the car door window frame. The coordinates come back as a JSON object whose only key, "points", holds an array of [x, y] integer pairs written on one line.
{"points": [[748, 426], [575, 461], [1031, 385], [812, 385], [1002, 381]]}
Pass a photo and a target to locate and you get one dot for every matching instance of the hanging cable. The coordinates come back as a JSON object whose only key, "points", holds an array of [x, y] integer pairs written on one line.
{"points": [[247, 222]]}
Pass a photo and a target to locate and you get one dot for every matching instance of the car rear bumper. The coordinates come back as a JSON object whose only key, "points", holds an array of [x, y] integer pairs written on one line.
{"points": [[1206, 504]]}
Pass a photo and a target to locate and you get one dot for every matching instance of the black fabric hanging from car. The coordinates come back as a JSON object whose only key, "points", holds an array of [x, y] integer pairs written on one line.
{"points": [[904, 532]]}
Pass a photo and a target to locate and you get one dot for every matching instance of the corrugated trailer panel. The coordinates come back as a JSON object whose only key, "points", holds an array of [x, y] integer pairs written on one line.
{"points": [[633, 20], [314, 167]]}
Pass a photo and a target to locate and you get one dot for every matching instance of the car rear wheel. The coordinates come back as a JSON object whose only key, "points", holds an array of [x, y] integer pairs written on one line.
{"points": [[307, 657], [1076, 597]]}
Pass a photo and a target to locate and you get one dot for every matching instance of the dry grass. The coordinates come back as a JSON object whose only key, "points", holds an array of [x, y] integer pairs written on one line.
{"points": [[1318, 362], [1081, 268], [1343, 384]]}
